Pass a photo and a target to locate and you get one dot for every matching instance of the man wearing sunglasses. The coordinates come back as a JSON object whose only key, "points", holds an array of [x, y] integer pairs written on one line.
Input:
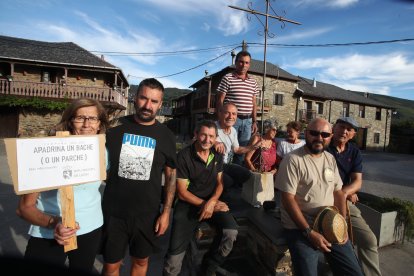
{"points": [[309, 180], [349, 160]]}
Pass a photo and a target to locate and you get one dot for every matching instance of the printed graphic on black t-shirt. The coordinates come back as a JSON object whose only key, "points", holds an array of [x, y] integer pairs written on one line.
{"points": [[136, 157]]}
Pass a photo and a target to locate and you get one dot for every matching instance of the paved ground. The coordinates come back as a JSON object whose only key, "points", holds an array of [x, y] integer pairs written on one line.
{"points": [[390, 175]]}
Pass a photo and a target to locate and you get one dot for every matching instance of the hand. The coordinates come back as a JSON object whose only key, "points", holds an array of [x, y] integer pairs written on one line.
{"points": [[220, 147], [207, 209], [254, 127], [353, 198], [162, 223], [62, 233], [221, 207], [274, 171], [319, 242]]}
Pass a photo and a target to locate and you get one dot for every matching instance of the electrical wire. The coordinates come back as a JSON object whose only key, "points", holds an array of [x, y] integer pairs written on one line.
{"points": [[189, 69], [257, 44]]}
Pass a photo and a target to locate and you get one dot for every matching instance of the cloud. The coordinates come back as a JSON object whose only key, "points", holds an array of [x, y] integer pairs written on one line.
{"points": [[205, 27], [362, 72], [330, 3], [298, 35], [100, 38], [227, 20]]}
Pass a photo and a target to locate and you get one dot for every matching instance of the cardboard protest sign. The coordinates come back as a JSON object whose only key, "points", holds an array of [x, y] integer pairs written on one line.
{"points": [[41, 164]]}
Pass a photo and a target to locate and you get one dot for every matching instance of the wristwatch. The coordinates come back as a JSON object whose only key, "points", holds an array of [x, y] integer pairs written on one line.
{"points": [[306, 232]]}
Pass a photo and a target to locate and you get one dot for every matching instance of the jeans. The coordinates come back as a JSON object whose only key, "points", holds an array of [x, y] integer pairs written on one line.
{"points": [[341, 259], [234, 176], [244, 132], [185, 221]]}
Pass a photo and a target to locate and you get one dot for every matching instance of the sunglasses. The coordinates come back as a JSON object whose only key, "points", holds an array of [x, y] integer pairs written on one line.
{"points": [[317, 133]]}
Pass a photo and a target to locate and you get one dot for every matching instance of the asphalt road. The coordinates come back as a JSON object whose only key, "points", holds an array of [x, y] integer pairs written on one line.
{"points": [[385, 175]]}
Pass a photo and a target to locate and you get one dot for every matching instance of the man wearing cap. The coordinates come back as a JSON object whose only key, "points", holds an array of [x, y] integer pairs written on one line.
{"points": [[241, 89], [309, 180], [349, 160]]}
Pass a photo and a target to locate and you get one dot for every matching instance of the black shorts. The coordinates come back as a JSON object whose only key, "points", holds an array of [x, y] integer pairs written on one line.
{"points": [[137, 234], [49, 251]]}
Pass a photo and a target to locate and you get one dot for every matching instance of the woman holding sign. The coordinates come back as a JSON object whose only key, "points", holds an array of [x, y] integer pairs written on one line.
{"points": [[43, 209]]}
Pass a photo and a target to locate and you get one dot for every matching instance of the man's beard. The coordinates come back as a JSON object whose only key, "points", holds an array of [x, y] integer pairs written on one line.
{"points": [[144, 117], [313, 150]]}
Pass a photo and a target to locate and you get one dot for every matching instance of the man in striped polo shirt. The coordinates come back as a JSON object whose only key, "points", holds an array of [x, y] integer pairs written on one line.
{"points": [[241, 89]]}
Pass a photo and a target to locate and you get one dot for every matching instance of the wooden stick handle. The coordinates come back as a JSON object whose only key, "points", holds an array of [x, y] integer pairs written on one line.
{"points": [[67, 202], [68, 214]]}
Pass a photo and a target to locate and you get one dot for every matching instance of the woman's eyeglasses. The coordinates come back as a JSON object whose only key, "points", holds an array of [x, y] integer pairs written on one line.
{"points": [[82, 119], [317, 133]]}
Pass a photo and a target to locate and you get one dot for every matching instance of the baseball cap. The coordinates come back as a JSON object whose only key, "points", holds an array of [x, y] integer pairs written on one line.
{"points": [[348, 120]]}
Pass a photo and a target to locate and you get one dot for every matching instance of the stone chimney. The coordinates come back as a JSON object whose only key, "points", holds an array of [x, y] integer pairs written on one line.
{"points": [[366, 95], [233, 56], [102, 57], [314, 83]]}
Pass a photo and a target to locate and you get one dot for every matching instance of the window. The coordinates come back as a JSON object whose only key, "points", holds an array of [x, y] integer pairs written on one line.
{"points": [[361, 111], [277, 99], [378, 114], [345, 110], [45, 77], [319, 108], [376, 138]]}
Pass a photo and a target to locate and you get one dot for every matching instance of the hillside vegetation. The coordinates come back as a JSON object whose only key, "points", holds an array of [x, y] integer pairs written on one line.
{"points": [[403, 107], [169, 94]]}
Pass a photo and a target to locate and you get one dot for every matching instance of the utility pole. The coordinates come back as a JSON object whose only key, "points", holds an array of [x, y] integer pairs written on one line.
{"points": [[266, 34]]}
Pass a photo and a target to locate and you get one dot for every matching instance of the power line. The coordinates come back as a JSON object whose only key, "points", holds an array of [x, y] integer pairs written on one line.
{"points": [[333, 44], [165, 53], [189, 69]]}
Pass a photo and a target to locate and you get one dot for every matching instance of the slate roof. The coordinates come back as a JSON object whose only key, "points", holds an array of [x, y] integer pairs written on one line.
{"points": [[66, 53], [331, 92], [256, 66]]}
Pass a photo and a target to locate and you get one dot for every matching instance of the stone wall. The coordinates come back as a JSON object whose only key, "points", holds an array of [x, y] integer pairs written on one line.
{"points": [[36, 124], [369, 122], [281, 113]]}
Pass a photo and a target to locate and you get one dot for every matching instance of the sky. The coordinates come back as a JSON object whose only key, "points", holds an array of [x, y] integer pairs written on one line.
{"points": [[176, 41]]}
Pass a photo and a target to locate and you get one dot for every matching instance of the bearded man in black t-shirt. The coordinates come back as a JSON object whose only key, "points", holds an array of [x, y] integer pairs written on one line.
{"points": [[140, 149]]}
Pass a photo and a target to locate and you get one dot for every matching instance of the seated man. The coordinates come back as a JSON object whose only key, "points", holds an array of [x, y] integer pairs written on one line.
{"points": [[199, 186], [349, 160], [309, 180], [228, 145]]}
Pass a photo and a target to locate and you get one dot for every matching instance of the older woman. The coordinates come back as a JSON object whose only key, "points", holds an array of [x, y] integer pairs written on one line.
{"points": [[263, 159], [292, 140], [43, 210]]}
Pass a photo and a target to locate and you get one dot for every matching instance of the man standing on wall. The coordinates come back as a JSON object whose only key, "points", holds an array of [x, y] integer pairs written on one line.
{"points": [[140, 149], [349, 160], [241, 89]]}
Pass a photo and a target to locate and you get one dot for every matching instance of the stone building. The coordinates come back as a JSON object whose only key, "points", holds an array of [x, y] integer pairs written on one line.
{"points": [[290, 98], [37, 79]]}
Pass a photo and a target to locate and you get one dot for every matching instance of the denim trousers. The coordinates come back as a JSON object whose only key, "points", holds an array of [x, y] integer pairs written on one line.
{"points": [[341, 259], [234, 176], [185, 221], [244, 132]]}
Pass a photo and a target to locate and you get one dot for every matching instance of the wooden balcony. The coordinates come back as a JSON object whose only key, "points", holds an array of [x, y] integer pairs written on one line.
{"points": [[306, 115], [266, 105], [59, 91], [202, 104]]}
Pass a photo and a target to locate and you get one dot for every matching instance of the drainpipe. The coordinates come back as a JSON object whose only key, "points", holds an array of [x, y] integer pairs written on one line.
{"points": [[330, 109], [386, 129]]}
